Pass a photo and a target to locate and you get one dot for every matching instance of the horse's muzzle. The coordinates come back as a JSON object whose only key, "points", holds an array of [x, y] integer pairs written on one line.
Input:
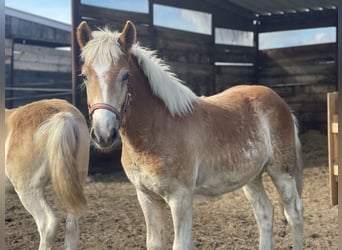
{"points": [[104, 141]]}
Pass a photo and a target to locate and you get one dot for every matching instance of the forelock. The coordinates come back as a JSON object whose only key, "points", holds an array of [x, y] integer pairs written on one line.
{"points": [[103, 48]]}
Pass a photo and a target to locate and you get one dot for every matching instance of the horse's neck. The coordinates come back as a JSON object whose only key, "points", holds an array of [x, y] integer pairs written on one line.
{"points": [[143, 107]]}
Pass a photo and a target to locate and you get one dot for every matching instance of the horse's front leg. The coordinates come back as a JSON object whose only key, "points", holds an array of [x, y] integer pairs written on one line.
{"points": [[180, 202], [154, 211]]}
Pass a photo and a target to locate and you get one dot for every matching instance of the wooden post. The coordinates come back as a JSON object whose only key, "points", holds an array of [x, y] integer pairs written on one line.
{"points": [[11, 83], [151, 24], [212, 89], [339, 83], [257, 53], [332, 107], [79, 98], [75, 20]]}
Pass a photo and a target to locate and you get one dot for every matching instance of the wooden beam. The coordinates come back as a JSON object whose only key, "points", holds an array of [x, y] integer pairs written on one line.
{"points": [[339, 84], [75, 20], [54, 90], [11, 83], [334, 125], [339, 52], [232, 21], [332, 110], [298, 20], [257, 54], [109, 16], [230, 7], [151, 29], [335, 171]]}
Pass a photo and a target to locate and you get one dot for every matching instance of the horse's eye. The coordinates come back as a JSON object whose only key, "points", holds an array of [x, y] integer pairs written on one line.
{"points": [[125, 76]]}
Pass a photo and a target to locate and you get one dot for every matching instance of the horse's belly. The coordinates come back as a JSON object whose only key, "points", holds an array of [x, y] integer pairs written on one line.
{"points": [[212, 181]]}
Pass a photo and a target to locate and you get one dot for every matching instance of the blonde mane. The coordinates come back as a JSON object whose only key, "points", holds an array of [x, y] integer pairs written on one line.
{"points": [[105, 48], [177, 97]]}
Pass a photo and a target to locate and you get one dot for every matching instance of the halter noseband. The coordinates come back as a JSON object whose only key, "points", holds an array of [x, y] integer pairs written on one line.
{"points": [[118, 114]]}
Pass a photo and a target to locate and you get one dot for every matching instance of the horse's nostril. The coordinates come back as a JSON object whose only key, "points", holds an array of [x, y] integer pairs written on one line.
{"points": [[114, 134], [92, 134], [103, 141], [95, 137]]}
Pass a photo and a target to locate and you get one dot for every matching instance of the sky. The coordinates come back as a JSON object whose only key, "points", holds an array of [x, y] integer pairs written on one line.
{"points": [[60, 10]]}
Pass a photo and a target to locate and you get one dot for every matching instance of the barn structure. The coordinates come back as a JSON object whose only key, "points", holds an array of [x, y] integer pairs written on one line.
{"points": [[302, 75], [35, 66]]}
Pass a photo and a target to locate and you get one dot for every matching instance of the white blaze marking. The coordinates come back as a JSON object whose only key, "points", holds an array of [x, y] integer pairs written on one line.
{"points": [[103, 119], [101, 70]]}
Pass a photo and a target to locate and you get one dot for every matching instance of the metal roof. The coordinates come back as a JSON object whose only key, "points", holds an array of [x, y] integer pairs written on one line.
{"points": [[269, 7], [37, 19], [35, 30]]}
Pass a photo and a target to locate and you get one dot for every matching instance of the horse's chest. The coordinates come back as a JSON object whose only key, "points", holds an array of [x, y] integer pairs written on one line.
{"points": [[144, 171]]}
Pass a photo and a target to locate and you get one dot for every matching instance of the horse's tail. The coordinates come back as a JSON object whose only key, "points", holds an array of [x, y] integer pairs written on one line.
{"points": [[59, 137], [299, 163]]}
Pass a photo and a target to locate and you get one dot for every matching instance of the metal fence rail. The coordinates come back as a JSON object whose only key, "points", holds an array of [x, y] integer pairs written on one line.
{"points": [[17, 95]]}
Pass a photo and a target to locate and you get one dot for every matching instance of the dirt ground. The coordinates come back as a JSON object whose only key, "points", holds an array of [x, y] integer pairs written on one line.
{"points": [[115, 220]]}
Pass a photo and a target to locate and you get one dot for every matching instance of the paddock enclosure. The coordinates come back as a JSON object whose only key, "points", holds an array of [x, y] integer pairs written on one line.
{"points": [[302, 75]]}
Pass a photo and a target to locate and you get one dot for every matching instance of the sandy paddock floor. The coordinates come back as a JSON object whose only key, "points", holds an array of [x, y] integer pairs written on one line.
{"points": [[115, 221]]}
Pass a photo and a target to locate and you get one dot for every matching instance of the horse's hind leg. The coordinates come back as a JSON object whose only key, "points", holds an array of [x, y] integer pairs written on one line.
{"points": [[263, 211], [72, 232], [35, 203], [155, 215], [286, 186]]}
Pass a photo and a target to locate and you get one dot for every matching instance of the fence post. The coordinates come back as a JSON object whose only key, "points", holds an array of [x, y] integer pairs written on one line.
{"points": [[332, 101]]}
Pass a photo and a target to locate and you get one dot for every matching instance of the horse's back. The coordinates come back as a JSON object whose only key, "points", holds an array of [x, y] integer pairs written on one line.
{"points": [[274, 112], [26, 119], [30, 116], [252, 103], [23, 154], [264, 96]]}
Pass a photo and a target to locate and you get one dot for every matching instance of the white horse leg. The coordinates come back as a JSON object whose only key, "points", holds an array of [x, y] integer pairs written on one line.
{"points": [[72, 232], [180, 203], [293, 209], [263, 211], [154, 211], [35, 203]]}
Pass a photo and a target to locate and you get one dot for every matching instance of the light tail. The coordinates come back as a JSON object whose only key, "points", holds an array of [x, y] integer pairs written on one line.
{"points": [[59, 137]]}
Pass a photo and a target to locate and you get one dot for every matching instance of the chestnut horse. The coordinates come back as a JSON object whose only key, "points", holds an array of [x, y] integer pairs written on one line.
{"points": [[176, 144], [48, 142]]}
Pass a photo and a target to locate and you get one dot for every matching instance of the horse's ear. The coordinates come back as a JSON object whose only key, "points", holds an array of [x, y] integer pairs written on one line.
{"points": [[128, 36], [83, 34]]}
